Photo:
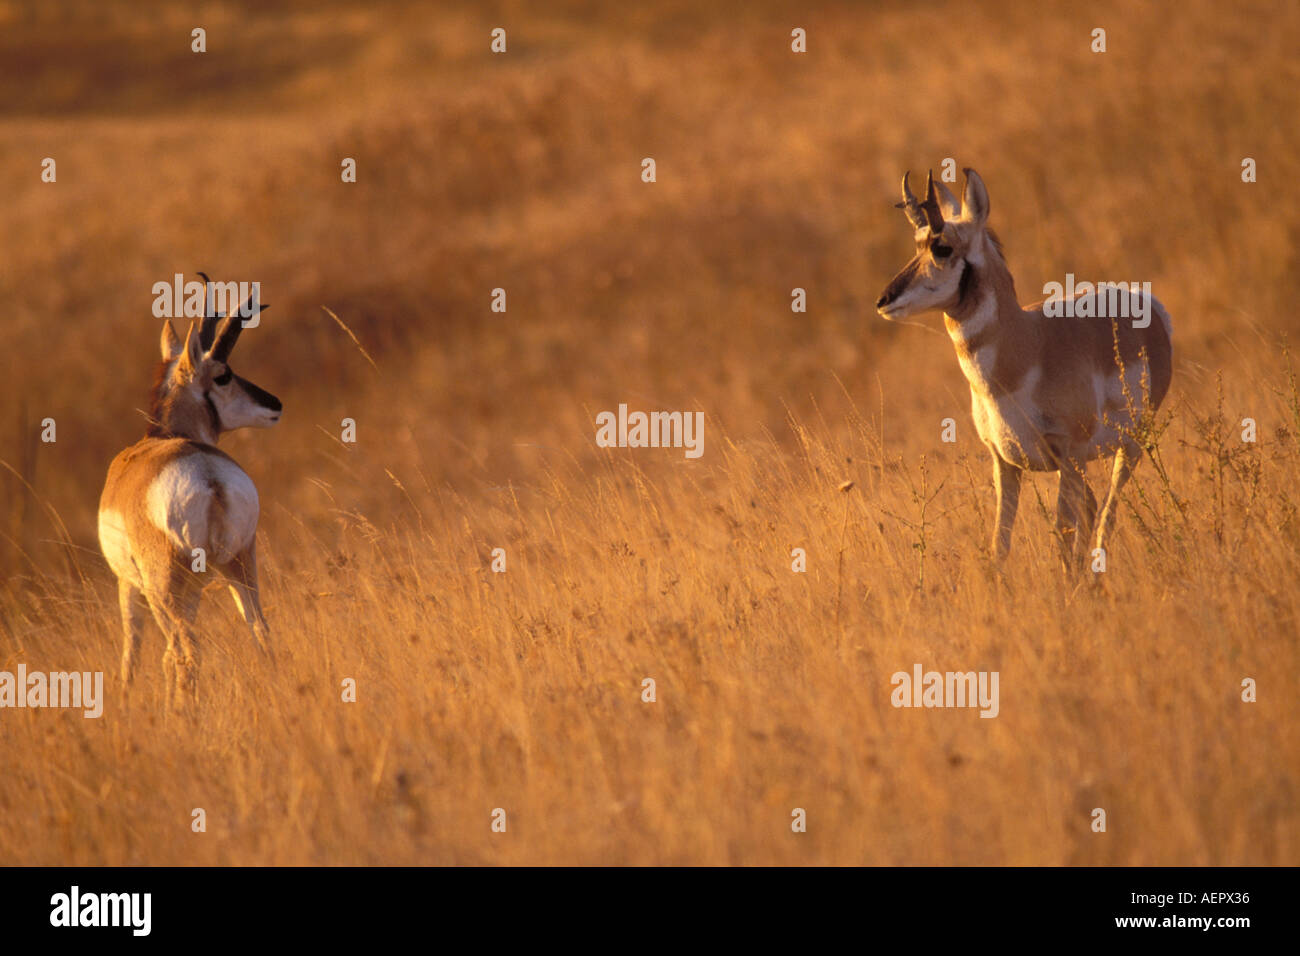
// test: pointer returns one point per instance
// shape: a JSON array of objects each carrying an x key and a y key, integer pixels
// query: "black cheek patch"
[{"x": 964, "y": 283}]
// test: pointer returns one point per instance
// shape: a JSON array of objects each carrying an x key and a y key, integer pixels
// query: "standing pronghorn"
[
  {"x": 1047, "y": 394},
  {"x": 173, "y": 492}
]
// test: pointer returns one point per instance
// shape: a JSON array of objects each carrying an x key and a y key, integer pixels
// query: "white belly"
[
  {"x": 204, "y": 502},
  {"x": 1011, "y": 425}
]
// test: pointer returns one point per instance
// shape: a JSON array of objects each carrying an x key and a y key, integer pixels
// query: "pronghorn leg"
[
  {"x": 1089, "y": 515},
  {"x": 161, "y": 618},
  {"x": 169, "y": 660},
  {"x": 175, "y": 604},
  {"x": 1073, "y": 517},
  {"x": 1125, "y": 462},
  {"x": 187, "y": 664},
  {"x": 242, "y": 574},
  {"x": 1006, "y": 480},
  {"x": 132, "y": 622}
]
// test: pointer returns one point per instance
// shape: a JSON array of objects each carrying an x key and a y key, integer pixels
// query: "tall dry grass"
[{"x": 475, "y": 431}]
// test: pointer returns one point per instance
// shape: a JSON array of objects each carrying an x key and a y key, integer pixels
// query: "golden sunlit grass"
[{"x": 523, "y": 690}]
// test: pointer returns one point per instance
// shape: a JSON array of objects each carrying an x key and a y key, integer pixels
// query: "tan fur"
[
  {"x": 1047, "y": 394},
  {"x": 173, "y": 492}
]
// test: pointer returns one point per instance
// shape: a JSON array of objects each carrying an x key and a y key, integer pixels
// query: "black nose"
[{"x": 883, "y": 300}]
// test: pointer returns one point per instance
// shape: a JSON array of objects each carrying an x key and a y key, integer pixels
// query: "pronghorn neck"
[
  {"x": 986, "y": 316},
  {"x": 176, "y": 411}
]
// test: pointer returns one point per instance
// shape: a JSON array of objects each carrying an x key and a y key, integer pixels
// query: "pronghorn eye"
[
  {"x": 940, "y": 251},
  {"x": 224, "y": 378}
]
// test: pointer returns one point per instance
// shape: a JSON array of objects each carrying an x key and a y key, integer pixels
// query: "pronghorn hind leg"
[
  {"x": 187, "y": 664},
  {"x": 175, "y": 604},
  {"x": 156, "y": 605},
  {"x": 1125, "y": 461},
  {"x": 1089, "y": 515},
  {"x": 1076, "y": 509},
  {"x": 128, "y": 602},
  {"x": 242, "y": 575},
  {"x": 1067, "y": 497},
  {"x": 1006, "y": 481}
]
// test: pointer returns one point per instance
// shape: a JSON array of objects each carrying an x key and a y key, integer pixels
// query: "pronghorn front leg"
[
  {"x": 242, "y": 574},
  {"x": 1125, "y": 462},
  {"x": 1006, "y": 480}
]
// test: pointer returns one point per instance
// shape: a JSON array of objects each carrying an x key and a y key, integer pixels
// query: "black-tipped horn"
[
  {"x": 208, "y": 327},
  {"x": 911, "y": 208},
  {"x": 933, "y": 214},
  {"x": 232, "y": 326}
]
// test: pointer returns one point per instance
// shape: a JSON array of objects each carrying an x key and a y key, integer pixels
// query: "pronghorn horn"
[
  {"x": 911, "y": 208},
  {"x": 231, "y": 328},
  {"x": 208, "y": 328},
  {"x": 933, "y": 215}
]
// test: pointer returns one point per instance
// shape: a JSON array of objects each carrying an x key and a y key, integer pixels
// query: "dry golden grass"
[{"x": 475, "y": 431}]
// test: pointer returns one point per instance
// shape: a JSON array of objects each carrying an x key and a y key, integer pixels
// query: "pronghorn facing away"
[
  {"x": 173, "y": 492},
  {"x": 1047, "y": 394}
]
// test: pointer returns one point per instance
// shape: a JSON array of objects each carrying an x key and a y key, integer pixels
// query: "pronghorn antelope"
[
  {"x": 174, "y": 492},
  {"x": 1047, "y": 394}
]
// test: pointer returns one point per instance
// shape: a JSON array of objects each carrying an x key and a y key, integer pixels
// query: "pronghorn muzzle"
[
  {"x": 897, "y": 286},
  {"x": 259, "y": 395}
]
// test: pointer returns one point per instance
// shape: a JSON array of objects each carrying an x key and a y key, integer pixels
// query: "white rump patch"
[
  {"x": 180, "y": 502},
  {"x": 1099, "y": 392}
]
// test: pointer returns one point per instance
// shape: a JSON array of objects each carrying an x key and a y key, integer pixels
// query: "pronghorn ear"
[
  {"x": 192, "y": 357},
  {"x": 948, "y": 203},
  {"x": 975, "y": 198},
  {"x": 170, "y": 344}
]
